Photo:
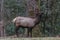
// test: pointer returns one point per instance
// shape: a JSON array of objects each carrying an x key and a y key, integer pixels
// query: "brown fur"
[{"x": 27, "y": 22}]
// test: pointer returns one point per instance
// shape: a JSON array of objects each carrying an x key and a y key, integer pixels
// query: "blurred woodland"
[{"x": 48, "y": 27}]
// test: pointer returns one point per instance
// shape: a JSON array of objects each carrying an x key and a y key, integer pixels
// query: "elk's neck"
[{"x": 38, "y": 18}]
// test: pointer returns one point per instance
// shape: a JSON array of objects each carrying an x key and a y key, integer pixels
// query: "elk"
[{"x": 27, "y": 22}]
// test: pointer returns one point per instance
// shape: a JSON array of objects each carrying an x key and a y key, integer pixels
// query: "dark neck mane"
[{"x": 38, "y": 18}]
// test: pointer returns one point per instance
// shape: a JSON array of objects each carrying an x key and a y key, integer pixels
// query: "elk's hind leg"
[{"x": 16, "y": 30}]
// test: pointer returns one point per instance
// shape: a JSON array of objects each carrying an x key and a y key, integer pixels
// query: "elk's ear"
[{"x": 41, "y": 13}]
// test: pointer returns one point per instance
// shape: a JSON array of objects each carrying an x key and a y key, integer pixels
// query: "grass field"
[{"x": 45, "y": 38}]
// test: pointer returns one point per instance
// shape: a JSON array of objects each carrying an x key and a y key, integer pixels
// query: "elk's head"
[{"x": 38, "y": 13}]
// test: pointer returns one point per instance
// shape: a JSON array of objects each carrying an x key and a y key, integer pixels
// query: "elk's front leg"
[
  {"x": 30, "y": 32},
  {"x": 27, "y": 32}
]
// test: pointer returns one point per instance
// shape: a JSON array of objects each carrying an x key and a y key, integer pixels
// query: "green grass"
[{"x": 45, "y": 38}]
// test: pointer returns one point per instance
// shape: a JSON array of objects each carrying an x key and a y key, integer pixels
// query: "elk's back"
[{"x": 25, "y": 21}]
